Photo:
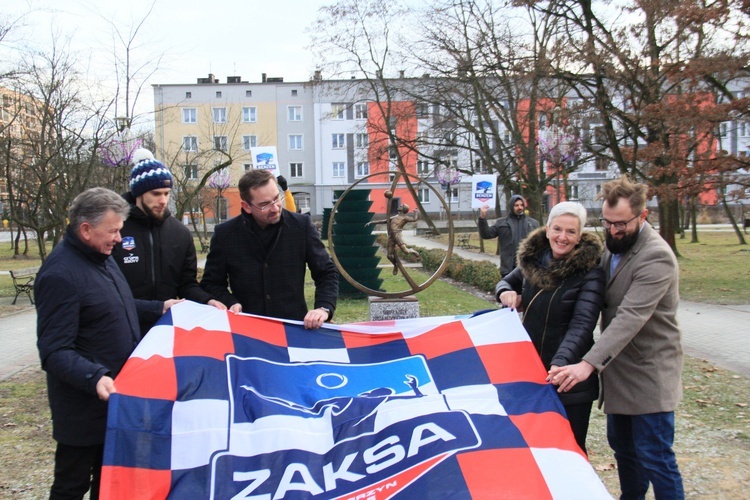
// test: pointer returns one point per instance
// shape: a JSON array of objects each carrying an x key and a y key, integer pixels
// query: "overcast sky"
[{"x": 224, "y": 37}]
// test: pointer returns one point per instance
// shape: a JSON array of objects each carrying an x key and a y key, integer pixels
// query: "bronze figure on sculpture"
[{"x": 396, "y": 225}]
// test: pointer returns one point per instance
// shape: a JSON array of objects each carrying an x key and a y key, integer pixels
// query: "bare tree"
[
  {"x": 496, "y": 87},
  {"x": 132, "y": 70},
  {"x": 214, "y": 147},
  {"x": 649, "y": 68},
  {"x": 357, "y": 37},
  {"x": 52, "y": 157}
]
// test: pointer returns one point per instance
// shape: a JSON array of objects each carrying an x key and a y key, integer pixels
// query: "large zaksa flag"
[{"x": 230, "y": 406}]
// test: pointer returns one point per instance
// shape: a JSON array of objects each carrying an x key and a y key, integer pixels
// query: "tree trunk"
[
  {"x": 694, "y": 221},
  {"x": 667, "y": 216},
  {"x": 732, "y": 220}
]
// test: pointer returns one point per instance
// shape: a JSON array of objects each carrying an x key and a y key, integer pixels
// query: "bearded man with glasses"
[
  {"x": 262, "y": 255},
  {"x": 639, "y": 353}
]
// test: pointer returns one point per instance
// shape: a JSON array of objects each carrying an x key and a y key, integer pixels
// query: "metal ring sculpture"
[{"x": 415, "y": 287}]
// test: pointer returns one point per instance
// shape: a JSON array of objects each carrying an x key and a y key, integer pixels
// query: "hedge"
[{"x": 481, "y": 274}]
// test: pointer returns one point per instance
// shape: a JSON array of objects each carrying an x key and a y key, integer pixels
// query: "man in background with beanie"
[
  {"x": 87, "y": 326},
  {"x": 157, "y": 253},
  {"x": 509, "y": 231}
]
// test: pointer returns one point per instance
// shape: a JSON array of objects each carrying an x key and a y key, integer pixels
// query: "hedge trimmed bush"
[{"x": 481, "y": 274}]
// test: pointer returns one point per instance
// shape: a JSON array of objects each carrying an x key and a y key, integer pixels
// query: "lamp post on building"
[{"x": 558, "y": 145}]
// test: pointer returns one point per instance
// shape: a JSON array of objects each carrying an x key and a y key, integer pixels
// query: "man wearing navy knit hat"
[{"x": 157, "y": 254}]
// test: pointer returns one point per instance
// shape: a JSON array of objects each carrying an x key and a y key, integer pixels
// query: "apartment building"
[
  {"x": 19, "y": 122},
  {"x": 331, "y": 134},
  {"x": 199, "y": 126}
]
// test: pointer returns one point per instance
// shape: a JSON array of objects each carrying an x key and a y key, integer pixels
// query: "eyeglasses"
[
  {"x": 619, "y": 225},
  {"x": 266, "y": 206}
]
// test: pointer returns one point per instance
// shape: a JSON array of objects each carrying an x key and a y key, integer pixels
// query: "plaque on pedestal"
[{"x": 382, "y": 308}]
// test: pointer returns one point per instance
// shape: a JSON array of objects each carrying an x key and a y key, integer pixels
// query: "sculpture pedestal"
[{"x": 390, "y": 309}]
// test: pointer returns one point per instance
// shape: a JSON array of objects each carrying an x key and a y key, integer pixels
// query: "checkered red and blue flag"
[{"x": 218, "y": 405}]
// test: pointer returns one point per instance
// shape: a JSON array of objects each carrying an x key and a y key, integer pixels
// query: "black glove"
[{"x": 282, "y": 182}]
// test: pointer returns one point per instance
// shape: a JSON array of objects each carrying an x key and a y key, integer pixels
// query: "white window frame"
[
  {"x": 189, "y": 115},
  {"x": 296, "y": 142},
  {"x": 423, "y": 167},
  {"x": 296, "y": 170},
  {"x": 249, "y": 114},
  {"x": 361, "y": 111},
  {"x": 338, "y": 111},
  {"x": 221, "y": 142},
  {"x": 192, "y": 142},
  {"x": 294, "y": 113},
  {"x": 339, "y": 169},
  {"x": 423, "y": 195},
  {"x": 362, "y": 170},
  {"x": 338, "y": 141},
  {"x": 219, "y": 115},
  {"x": 363, "y": 140},
  {"x": 249, "y": 141},
  {"x": 190, "y": 172}
]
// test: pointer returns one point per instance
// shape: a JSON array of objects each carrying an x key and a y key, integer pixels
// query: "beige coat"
[{"x": 639, "y": 353}]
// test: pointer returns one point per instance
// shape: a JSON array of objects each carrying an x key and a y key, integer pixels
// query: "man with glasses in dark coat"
[{"x": 262, "y": 256}]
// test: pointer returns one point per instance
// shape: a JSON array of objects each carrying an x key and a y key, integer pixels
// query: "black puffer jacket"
[{"x": 561, "y": 300}]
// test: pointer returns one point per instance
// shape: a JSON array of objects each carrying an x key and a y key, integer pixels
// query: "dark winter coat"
[
  {"x": 561, "y": 303},
  {"x": 158, "y": 258},
  {"x": 270, "y": 283},
  {"x": 87, "y": 326},
  {"x": 509, "y": 231}
]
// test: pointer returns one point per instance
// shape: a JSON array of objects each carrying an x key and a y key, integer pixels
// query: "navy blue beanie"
[{"x": 149, "y": 174}]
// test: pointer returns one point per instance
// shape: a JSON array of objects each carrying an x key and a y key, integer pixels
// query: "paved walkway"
[
  {"x": 716, "y": 333},
  {"x": 17, "y": 342}
]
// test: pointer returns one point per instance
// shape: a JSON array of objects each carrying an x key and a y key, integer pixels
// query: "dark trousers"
[
  {"x": 578, "y": 416},
  {"x": 643, "y": 450},
  {"x": 77, "y": 468}
]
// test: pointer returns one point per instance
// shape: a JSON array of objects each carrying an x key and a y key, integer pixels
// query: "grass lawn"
[
  {"x": 716, "y": 270},
  {"x": 713, "y": 421}
]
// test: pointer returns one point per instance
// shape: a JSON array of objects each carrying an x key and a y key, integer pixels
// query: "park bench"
[
  {"x": 463, "y": 240},
  {"x": 23, "y": 281}
]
